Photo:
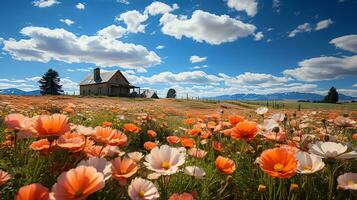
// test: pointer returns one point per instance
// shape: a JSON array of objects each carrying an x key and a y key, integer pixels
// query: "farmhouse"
[{"x": 112, "y": 83}]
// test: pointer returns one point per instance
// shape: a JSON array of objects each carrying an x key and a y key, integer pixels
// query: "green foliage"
[
  {"x": 332, "y": 96},
  {"x": 171, "y": 93},
  {"x": 50, "y": 83}
]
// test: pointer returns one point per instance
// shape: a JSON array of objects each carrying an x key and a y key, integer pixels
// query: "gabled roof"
[{"x": 105, "y": 77}]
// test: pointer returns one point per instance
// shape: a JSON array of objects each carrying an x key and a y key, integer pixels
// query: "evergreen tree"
[
  {"x": 50, "y": 83},
  {"x": 332, "y": 96},
  {"x": 171, "y": 93}
]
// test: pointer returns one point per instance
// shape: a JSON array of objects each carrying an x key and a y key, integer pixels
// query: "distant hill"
[
  {"x": 281, "y": 96},
  {"x": 15, "y": 91}
]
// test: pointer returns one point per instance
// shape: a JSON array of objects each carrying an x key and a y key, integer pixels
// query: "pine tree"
[
  {"x": 171, "y": 93},
  {"x": 332, "y": 96},
  {"x": 50, "y": 83}
]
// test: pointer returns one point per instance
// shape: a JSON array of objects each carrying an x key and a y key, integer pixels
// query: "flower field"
[{"x": 71, "y": 151}]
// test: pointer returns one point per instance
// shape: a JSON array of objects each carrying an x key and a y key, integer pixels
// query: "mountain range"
[
  {"x": 15, "y": 91},
  {"x": 281, "y": 96}
]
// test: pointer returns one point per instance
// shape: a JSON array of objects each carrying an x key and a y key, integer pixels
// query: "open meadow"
[{"x": 120, "y": 148}]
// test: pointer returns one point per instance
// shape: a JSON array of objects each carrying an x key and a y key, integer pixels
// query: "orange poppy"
[
  {"x": 71, "y": 141},
  {"x": 149, "y": 145},
  {"x": 187, "y": 142},
  {"x": 173, "y": 139},
  {"x": 189, "y": 121},
  {"x": 4, "y": 177},
  {"x": 227, "y": 132},
  {"x": 131, "y": 128},
  {"x": 217, "y": 146},
  {"x": 183, "y": 196},
  {"x": 354, "y": 136},
  {"x": 151, "y": 133},
  {"x": 110, "y": 136},
  {"x": 211, "y": 125},
  {"x": 68, "y": 110},
  {"x": 34, "y": 191},
  {"x": 96, "y": 151},
  {"x": 123, "y": 168},
  {"x": 43, "y": 146},
  {"x": 244, "y": 130},
  {"x": 225, "y": 165},
  {"x": 51, "y": 125},
  {"x": 107, "y": 124},
  {"x": 235, "y": 119},
  {"x": 206, "y": 134},
  {"x": 278, "y": 162},
  {"x": 78, "y": 183},
  {"x": 194, "y": 132}
]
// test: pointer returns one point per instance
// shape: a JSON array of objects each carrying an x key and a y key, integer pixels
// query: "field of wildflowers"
[{"x": 73, "y": 152}]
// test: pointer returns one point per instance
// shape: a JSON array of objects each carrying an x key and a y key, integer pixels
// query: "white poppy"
[
  {"x": 308, "y": 163},
  {"x": 332, "y": 150},
  {"x": 141, "y": 189},
  {"x": 165, "y": 160},
  {"x": 261, "y": 110},
  {"x": 347, "y": 181},
  {"x": 136, "y": 156},
  {"x": 279, "y": 117},
  {"x": 194, "y": 171}
]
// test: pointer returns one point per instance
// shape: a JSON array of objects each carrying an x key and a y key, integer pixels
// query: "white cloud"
[
  {"x": 68, "y": 85},
  {"x": 350, "y": 92},
  {"x": 255, "y": 79},
  {"x": 200, "y": 67},
  {"x": 133, "y": 20},
  {"x": 46, "y": 44},
  {"x": 276, "y": 5},
  {"x": 22, "y": 86},
  {"x": 249, "y": 6},
  {"x": 112, "y": 32},
  {"x": 157, "y": 7},
  {"x": 207, "y": 27},
  {"x": 45, "y": 3},
  {"x": 67, "y": 21},
  {"x": 324, "y": 68},
  {"x": 196, "y": 59},
  {"x": 160, "y": 47},
  {"x": 124, "y": 1},
  {"x": 34, "y": 79},
  {"x": 191, "y": 77},
  {"x": 323, "y": 24},
  {"x": 258, "y": 36},
  {"x": 79, "y": 70},
  {"x": 347, "y": 42},
  {"x": 300, "y": 29},
  {"x": 12, "y": 80},
  {"x": 80, "y": 6},
  {"x": 306, "y": 27},
  {"x": 354, "y": 85},
  {"x": 141, "y": 70}
]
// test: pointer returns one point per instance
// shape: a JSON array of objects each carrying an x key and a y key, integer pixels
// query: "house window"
[
  {"x": 99, "y": 90},
  {"x": 89, "y": 91}
]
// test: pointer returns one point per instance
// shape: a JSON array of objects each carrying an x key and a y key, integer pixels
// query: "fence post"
[{"x": 299, "y": 107}]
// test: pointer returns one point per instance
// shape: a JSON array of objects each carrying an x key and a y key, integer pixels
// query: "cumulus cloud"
[
  {"x": 112, "y": 32},
  {"x": 255, "y": 79},
  {"x": 347, "y": 42},
  {"x": 124, "y": 1},
  {"x": 34, "y": 78},
  {"x": 323, "y": 24},
  {"x": 306, "y": 27},
  {"x": 204, "y": 26},
  {"x": 67, "y": 21},
  {"x": 44, "y": 45},
  {"x": 160, "y": 47},
  {"x": 68, "y": 85},
  {"x": 45, "y": 3},
  {"x": 354, "y": 85},
  {"x": 200, "y": 67},
  {"x": 300, "y": 29},
  {"x": 249, "y": 6},
  {"x": 276, "y": 5},
  {"x": 133, "y": 20},
  {"x": 157, "y": 7},
  {"x": 196, "y": 59},
  {"x": 324, "y": 68},
  {"x": 258, "y": 36},
  {"x": 80, "y": 6}
]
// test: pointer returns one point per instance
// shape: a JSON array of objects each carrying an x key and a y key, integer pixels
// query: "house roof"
[{"x": 105, "y": 77}]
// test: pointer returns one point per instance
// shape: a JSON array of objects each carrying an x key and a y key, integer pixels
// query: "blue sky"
[{"x": 200, "y": 47}]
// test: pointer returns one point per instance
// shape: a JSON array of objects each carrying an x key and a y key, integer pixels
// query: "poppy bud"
[
  {"x": 261, "y": 188},
  {"x": 294, "y": 187},
  {"x": 229, "y": 179}
]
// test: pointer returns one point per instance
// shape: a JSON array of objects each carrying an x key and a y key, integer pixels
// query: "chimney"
[{"x": 97, "y": 74}]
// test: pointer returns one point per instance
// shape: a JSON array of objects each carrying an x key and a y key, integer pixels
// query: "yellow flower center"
[
  {"x": 141, "y": 194},
  {"x": 78, "y": 193},
  {"x": 165, "y": 165},
  {"x": 278, "y": 167},
  {"x": 350, "y": 182},
  {"x": 307, "y": 167}
]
